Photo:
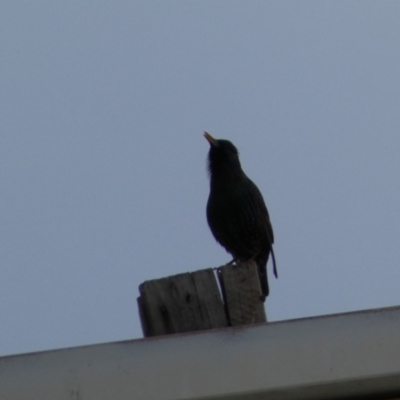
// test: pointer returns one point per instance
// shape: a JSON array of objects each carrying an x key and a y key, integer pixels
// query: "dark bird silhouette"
[{"x": 236, "y": 212}]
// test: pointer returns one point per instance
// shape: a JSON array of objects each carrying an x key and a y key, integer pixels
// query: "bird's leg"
[
  {"x": 233, "y": 261},
  {"x": 252, "y": 258}
]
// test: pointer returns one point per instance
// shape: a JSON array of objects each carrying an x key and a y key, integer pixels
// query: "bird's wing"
[{"x": 256, "y": 201}]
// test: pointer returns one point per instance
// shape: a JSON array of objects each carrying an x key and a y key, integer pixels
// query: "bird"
[{"x": 236, "y": 212}]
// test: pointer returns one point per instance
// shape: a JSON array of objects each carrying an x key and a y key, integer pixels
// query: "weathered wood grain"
[
  {"x": 241, "y": 290},
  {"x": 181, "y": 303}
]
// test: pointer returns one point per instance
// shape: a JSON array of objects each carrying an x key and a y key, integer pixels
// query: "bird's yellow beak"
[{"x": 210, "y": 139}]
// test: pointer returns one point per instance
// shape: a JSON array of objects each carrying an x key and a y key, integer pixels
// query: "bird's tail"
[
  {"x": 262, "y": 272},
  {"x": 274, "y": 262}
]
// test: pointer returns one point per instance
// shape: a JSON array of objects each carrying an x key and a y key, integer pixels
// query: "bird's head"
[{"x": 223, "y": 155}]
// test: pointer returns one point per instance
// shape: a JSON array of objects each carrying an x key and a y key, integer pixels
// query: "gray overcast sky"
[{"x": 102, "y": 159}]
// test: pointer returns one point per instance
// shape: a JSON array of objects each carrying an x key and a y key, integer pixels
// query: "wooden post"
[
  {"x": 241, "y": 292},
  {"x": 192, "y": 301},
  {"x": 181, "y": 303}
]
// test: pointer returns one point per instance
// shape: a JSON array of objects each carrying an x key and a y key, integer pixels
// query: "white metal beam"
[{"x": 336, "y": 356}]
